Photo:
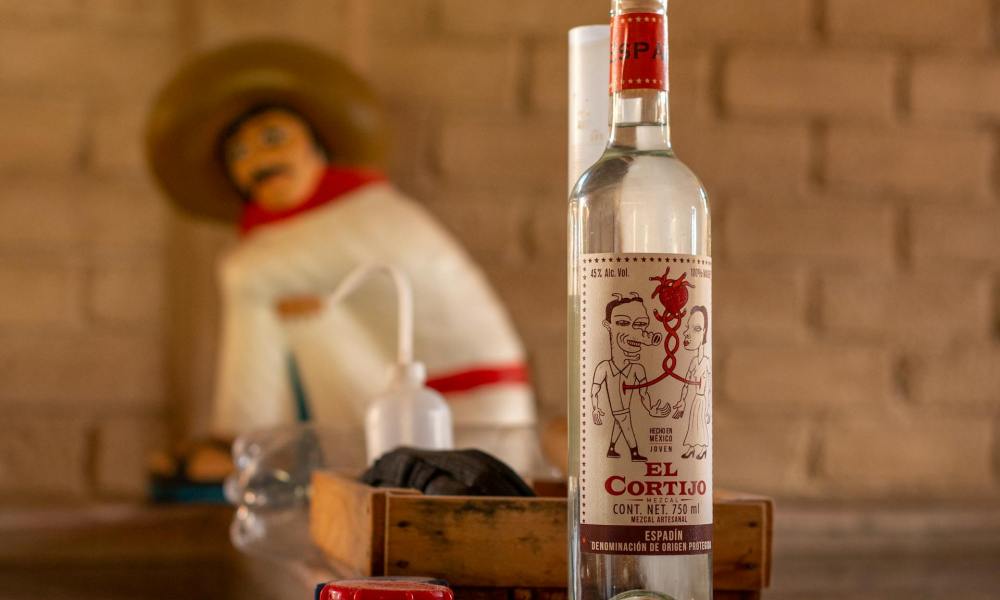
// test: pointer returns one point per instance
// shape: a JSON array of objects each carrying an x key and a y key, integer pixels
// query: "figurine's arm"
[
  {"x": 270, "y": 276},
  {"x": 303, "y": 259},
  {"x": 251, "y": 388},
  {"x": 257, "y": 280}
]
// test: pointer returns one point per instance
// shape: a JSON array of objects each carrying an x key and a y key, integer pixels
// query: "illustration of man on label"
[
  {"x": 627, "y": 321},
  {"x": 698, "y": 403}
]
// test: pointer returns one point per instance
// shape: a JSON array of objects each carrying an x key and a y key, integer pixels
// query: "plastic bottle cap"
[
  {"x": 414, "y": 373},
  {"x": 374, "y": 589}
]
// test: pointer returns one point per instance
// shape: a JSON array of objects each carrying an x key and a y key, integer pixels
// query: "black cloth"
[{"x": 446, "y": 473}]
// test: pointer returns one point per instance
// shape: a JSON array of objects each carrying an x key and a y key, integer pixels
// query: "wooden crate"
[{"x": 493, "y": 546}]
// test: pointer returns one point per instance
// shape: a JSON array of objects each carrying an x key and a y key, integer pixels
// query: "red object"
[
  {"x": 673, "y": 296},
  {"x": 470, "y": 379},
  {"x": 383, "y": 589},
  {"x": 638, "y": 52},
  {"x": 333, "y": 185},
  {"x": 673, "y": 293}
]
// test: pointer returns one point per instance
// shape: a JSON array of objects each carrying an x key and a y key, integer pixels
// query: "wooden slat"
[
  {"x": 525, "y": 541},
  {"x": 735, "y": 595},
  {"x": 478, "y": 542},
  {"x": 342, "y": 518},
  {"x": 741, "y": 544},
  {"x": 503, "y": 542},
  {"x": 347, "y": 522}
]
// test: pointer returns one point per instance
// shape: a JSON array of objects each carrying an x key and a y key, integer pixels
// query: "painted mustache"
[{"x": 261, "y": 175}]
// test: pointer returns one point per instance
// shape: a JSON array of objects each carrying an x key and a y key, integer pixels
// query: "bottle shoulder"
[{"x": 623, "y": 176}]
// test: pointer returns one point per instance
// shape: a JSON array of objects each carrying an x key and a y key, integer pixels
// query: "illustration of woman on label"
[
  {"x": 627, "y": 321},
  {"x": 698, "y": 404}
]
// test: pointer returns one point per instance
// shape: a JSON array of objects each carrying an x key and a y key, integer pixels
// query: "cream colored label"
[{"x": 646, "y": 405}]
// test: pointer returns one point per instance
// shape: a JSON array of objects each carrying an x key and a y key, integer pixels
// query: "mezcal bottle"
[{"x": 640, "y": 312}]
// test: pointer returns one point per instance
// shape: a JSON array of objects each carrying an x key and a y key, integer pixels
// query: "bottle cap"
[
  {"x": 382, "y": 589},
  {"x": 413, "y": 374}
]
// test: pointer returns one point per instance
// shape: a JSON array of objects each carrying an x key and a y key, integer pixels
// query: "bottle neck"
[
  {"x": 640, "y": 120},
  {"x": 640, "y": 107}
]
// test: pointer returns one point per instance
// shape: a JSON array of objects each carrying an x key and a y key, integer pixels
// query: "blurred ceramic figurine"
[{"x": 282, "y": 139}]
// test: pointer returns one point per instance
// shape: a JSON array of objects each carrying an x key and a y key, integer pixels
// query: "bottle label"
[
  {"x": 639, "y": 52},
  {"x": 646, "y": 404}
]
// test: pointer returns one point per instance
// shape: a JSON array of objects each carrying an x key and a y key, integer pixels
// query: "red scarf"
[
  {"x": 478, "y": 376},
  {"x": 334, "y": 184}
]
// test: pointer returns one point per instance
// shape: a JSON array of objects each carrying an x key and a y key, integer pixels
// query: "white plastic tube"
[
  {"x": 589, "y": 99},
  {"x": 404, "y": 304},
  {"x": 408, "y": 413}
]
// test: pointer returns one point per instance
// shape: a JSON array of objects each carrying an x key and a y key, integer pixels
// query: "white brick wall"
[{"x": 849, "y": 147}]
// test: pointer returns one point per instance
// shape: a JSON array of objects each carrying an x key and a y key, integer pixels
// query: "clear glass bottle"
[{"x": 640, "y": 205}]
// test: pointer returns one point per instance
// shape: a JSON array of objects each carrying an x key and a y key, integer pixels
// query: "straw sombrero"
[{"x": 214, "y": 89}]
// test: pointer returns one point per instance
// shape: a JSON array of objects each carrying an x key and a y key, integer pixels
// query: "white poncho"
[{"x": 344, "y": 354}]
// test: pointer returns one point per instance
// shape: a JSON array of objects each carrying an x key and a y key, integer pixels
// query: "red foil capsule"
[
  {"x": 381, "y": 589},
  {"x": 639, "y": 52}
]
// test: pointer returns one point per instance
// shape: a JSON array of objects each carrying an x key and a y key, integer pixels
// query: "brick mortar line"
[
  {"x": 902, "y": 379},
  {"x": 181, "y": 414},
  {"x": 88, "y": 293},
  {"x": 814, "y": 453},
  {"x": 903, "y": 84},
  {"x": 813, "y": 301},
  {"x": 189, "y": 26},
  {"x": 83, "y": 156},
  {"x": 994, "y": 184},
  {"x": 81, "y": 331},
  {"x": 91, "y": 468},
  {"x": 435, "y": 19},
  {"x": 433, "y": 163},
  {"x": 360, "y": 35},
  {"x": 70, "y": 410},
  {"x": 528, "y": 243},
  {"x": 996, "y": 451},
  {"x": 71, "y": 255},
  {"x": 820, "y": 20},
  {"x": 51, "y": 255},
  {"x": 995, "y": 305},
  {"x": 903, "y": 215},
  {"x": 818, "y": 134},
  {"x": 719, "y": 218},
  {"x": 140, "y": 327},
  {"x": 994, "y": 15},
  {"x": 718, "y": 61},
  {"x": 525, "y": 66}
]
